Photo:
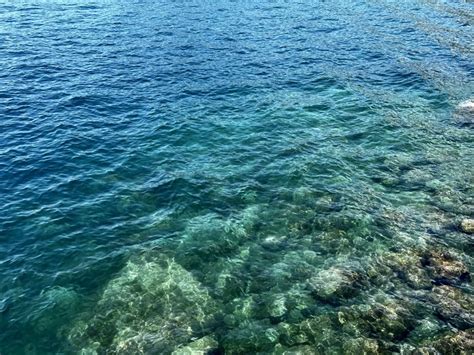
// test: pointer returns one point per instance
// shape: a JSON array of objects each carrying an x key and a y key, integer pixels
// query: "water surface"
[{"x": 238, "y": 177}]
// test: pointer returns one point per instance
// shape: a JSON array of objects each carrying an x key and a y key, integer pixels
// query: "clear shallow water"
[{"x": 235, "y": 177}]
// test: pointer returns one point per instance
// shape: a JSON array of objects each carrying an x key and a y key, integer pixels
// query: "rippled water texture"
[{"x": 239, "y": 177}]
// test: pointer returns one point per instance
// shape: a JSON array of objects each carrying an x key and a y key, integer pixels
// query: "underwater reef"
[
  {"x": 262, "y": 296},
  {"x": 326, "y": 285},
  {"x": 315, "y": 273}
]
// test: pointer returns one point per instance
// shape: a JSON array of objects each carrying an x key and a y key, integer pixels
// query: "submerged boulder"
[
  {"x": 336, "y": 284},
  {"x": 467, "y": 225},
  {"x": 384, "y": 318},
  {"x": 453, "y": 343},
  {"x": 58, "y": 304},
  {"x": 296, "y": 350},
  {"x": 201, "y": 346},
  {"x": 362, "y": 346},
  {"x": 464, "y": 113},
  {"x": 151, "y": 307},
  {"x": 445, "y": 268},
  {"x": 453, "y": 306},
  {"x": 274, "y": 243},
  {"x": 467, "y": 105},
  {"x": 408, "y": 267},
  {"x": 292, "y": 334},
  {"x": 317, "y": 330},
  {"x": 249, "y": 338}
]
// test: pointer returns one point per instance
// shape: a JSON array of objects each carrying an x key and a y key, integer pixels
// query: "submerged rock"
[
  {"x": 453, "y": 306},
  {"x": 361, "y": 346},
  {"x": 274, "y": 243},
  {"x": 250, "y": 338},
  {"x": 454, "y": 343},
  {"x": 385, "y": 319},
  {"x": 464, "y": 113},
  {"x": 407, "y": 266},
  {"x": 444, "y": 268},
  {"x": 57, "y": 305},
  {"x": 425, "y": 329},
  {"x": 277, "y": 306},
  {"x": 151, "y": 307},
  {"x": 291, "y": 334},
  {"x": 466, "y": 107},
  {"x": 201, "y": 346},
  {"x": 467, "y": 225},
  {"x": 317, "y": 330},
  {"x": 336, "y": 284},
  {"x": 296, "y": 350}
]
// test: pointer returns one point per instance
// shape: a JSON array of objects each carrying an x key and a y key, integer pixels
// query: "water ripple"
[{"x": 247, "y": 177}]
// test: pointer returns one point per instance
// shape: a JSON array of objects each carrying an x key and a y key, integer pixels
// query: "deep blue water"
[{"x": 241, "y": 177}]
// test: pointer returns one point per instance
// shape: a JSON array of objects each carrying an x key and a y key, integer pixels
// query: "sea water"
[{"x": 235, "y": 177}]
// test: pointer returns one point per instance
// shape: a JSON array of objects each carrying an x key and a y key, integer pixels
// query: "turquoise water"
[{"x": 235, "y": 177}]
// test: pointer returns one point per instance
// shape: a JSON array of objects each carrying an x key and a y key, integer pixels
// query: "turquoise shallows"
[{"x": 235, "y": 177}]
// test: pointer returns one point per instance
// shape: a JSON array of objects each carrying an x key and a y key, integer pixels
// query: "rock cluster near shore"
[
  {"x": 156, "y": 305},
  {"x": 360, "y": 280}
]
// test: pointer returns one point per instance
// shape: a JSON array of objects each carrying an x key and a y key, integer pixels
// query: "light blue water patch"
[{"x": 234, "y": 177}]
